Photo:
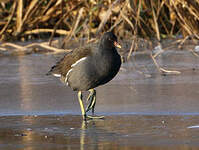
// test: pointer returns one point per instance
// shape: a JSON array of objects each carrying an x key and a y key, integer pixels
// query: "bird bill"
[{"x": 117, "y": 44}]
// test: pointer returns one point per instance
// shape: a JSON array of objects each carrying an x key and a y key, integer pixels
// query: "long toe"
[
  {"x": 92, "y": 99},
  {"x": 95, "y": 117},
  {"x": 91, "y": 104}
]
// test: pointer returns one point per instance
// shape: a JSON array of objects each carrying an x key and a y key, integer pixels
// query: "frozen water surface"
[{"x": 143, "y": 109}]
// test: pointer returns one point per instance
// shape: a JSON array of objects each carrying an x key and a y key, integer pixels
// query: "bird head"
[{"x": 109, "y": 40}]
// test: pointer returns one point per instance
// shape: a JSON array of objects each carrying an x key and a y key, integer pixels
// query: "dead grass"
[{"x": 159, "y": 19}]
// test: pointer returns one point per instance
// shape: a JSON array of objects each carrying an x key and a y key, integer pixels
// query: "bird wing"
[{"x": 65, "y": 64}]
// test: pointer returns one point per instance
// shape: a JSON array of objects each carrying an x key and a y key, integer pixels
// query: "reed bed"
[
  {"x": 22, "y": 20},
  {"x": 137, "y": 21}
]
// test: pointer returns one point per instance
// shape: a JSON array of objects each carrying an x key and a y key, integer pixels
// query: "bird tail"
[
  {"x": 48, "y": 73},
  {"x": 53, "y": 70}
]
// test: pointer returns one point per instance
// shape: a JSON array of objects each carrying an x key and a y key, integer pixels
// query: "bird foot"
[
  {"x": 92, "y": 99},
  {"x": 94, "y": 117}
]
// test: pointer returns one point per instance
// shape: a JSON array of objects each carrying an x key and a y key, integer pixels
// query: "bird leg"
[
  {"x": 92, "y": 99},
  {"x": 81, "y": 105},
  {"x": 91, "y": 105}
]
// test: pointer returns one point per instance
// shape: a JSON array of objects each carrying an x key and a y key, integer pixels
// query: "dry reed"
[
  {"x": 33, "y": 19},
  {"x": 80, "y": 18}
]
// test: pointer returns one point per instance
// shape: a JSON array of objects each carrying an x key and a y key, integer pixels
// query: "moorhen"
[{"x": 86, "y": 68}]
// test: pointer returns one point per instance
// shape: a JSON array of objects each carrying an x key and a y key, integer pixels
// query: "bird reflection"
[
  {"x": 89, "y": 133},
  {"x": 82, "y": 134}
]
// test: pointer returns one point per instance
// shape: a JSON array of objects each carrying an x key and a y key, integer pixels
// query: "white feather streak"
[
  {"x": 72, "y": 66},
  {"x": 57, "y": 75}
]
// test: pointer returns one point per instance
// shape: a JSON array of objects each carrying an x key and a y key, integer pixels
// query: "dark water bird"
[{"x": 86, "y": 68}]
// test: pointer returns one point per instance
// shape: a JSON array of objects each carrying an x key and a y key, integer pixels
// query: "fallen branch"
[
  {"x": 36, "y": 31},
  {"x": 162, "y": 70},
  {"x": 32, "y": 45}
]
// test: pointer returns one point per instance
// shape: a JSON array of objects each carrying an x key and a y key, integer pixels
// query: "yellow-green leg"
[
  {"x": 92, "y": 99},
  {"x": 81, "y": 105},
  {"x": 92, "y": 105}
]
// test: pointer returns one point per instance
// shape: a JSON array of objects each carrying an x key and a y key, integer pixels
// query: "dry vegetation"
[{"x": 75, "y": 19}]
